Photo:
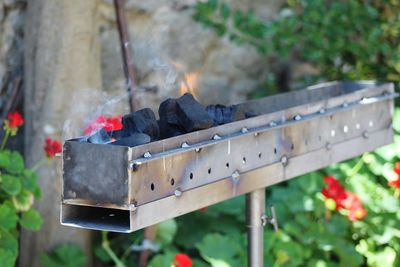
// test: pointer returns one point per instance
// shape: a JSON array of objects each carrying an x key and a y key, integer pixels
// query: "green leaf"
[
  {"x": 8, "y": 242},
  {"x": 10, "y": 184},
  {"x": 8, "y": 216},
  {"x": 8, "y": 249},
  {"x": 5, "y": 156},
  {"x": 7, "y": 258},
  {"x": 31, "y": 220},
  {"x": 23, "y": 201},
  {"x": 29, "y": 181},
  {"x": 162, "y": 260},
  {"x": 15, "y": 164},
  {"x": 66, "y": 255},
  {"x": 214, "y": 249},
  {"x": 166, "y": 232}
]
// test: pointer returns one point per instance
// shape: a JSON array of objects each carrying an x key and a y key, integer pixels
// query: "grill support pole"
[
  {"x": 255, "y": 209},
  {"x": 127, "y": 58}
]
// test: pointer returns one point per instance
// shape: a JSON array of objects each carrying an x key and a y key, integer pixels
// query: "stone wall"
[
  {"x": 11, "y": 44},
  {"x": 167, "y": 43}
]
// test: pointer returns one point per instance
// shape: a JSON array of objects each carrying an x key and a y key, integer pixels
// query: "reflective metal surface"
[{"x": 299, "y": 132}]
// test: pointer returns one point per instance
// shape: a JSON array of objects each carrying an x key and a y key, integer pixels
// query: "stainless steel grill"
[{"x": 124, "y": 189}]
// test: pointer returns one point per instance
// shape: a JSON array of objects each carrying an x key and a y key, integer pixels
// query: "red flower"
[
  {"x": 14, "y": 120},
  {"x": 353, "y": 204},
  {"x": 344, "y": 199},
  {"x": 334, "y": 191},
  {"x": 108, "y": 124},
  {"x": 396, "y": 183},
  {"x": 181, "y": 260},
  {"x": 51, "y": 147}
]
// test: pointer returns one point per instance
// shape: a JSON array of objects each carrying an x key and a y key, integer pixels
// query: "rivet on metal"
[
  {"x": 328, "y": 146},
  {"x": 321, "y": 111},
  {"x": 284, "y": 160},
  {"x": 147, "y": 154},
  {"x": 244, "y": 130},
  {"x": 198, "y": 149},
  {"x": 297, "y": 117},
  {"x": 235, "y": 175},
  {"x": 216, "y": 137},
  {"x": 365, "y": 134},
  {"x": 256, "y": 134},
  {"x": 178, "y": 192},
  {"x": 271, "y": 220},
  {"x": 264, "y": 220},
  {"x": 185, "y": 145},
  {"x": 132, "y": 208},
  {"x": 133, "y": 166},
  {"x": 272, "y": 124}
]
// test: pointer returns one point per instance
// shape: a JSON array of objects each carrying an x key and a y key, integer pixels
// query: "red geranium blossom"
[
  {"x": 334, "y": 190},
  {"x": 51, "y": 147},
  {"x": 101, "y": 121},
  {"x": 396, "y": 183},
  {"x": 181, "y": 260},
  {"x": 344, "y": 199},
  {"x": 14, "y": 120},
  {"x": 353, "y": 204}
]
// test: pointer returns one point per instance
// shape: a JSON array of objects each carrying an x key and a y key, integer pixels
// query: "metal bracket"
[{"x": 270, "y": 219}]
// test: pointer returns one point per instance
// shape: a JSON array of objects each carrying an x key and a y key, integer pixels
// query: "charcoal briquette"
[
  {"x": 168, "y": 111},
  {"x": 169, "y": 130},
  {"x": 141, "y": 121},
  {"x": 192, "y": 115}
]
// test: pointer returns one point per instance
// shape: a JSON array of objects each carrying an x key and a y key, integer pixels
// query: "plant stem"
[
  {"x": 397, "y": 193},
  {"x": 328, "y": 215},
  {"x": 3, "y": 143},
  {"x": 38, "y": 164},
  {"x": 106, "y": 246},
  {"x": 358, "y": 166}
]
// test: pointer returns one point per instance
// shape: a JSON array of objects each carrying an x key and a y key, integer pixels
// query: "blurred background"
[{"x": 61, "y": 67}]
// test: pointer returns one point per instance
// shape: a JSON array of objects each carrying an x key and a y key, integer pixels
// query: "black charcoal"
[
  {"x": 169, "y": 130},
  {"x": 133, "y": 140},
  {"x": 99, "y": 137},
  {"x": 168, "y": 111},
  {"x": 118, "y": 134},
  {"x": 141, "y": 121},
  {"x": 192, "y": 115},
  {"x": 220, "y": 114}
]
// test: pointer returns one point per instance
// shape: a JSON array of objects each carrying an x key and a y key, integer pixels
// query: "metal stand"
[{"x": 255, "y": 210}]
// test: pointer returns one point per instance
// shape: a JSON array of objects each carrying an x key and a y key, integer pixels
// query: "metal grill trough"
[{"x": 124, "y": 189}]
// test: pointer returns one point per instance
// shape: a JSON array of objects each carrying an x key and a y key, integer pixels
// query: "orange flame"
[{"x": 189, "y": 84}]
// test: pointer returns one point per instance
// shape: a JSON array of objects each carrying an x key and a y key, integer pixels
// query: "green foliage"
[
  {"x": 18, "y": 186},
  {"x": 351, "y": 39},
  {"x": 65, "y": 255}
]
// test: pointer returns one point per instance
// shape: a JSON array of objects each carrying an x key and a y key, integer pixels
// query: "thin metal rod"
[
  {"x": 255, "y": 209},
  {"x": 12, "y": 99},
  {"x": 127, "y": 57}
]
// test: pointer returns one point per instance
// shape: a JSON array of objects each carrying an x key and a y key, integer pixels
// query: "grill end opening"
[{"x": 96, "y": 218}]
